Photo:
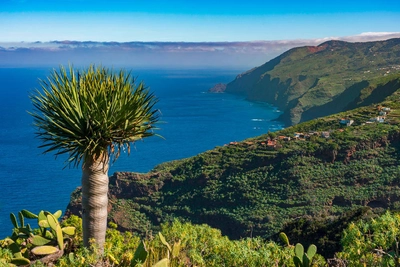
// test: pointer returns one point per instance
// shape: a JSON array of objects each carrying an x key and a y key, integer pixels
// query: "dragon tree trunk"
[{"x": 95, "y": 200}]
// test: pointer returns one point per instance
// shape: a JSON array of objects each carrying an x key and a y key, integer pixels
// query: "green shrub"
[{"x": 372, "y": 243}]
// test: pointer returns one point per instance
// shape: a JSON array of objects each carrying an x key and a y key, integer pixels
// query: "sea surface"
[{"x": 193, "y": 121}]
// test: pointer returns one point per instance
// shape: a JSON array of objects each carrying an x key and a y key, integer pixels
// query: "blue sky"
[{"x": 192, "y": 21}]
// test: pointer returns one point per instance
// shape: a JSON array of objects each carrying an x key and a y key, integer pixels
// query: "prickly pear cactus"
[
  {"x": 162, "y": 263},
  {"x": 24, "y": 241},
  {"x": 284, "y": 238},
  {"x": 302, "y": 259},
  {"x": 44, "y": 250},
  {"x": 19, "y": 252},
  {"x": 140, "y": 254}
]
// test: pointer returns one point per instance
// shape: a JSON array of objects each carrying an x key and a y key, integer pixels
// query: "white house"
[{"x": 347, "y": 122}]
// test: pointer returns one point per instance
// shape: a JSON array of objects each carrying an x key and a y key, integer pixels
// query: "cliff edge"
[{"x": 315, "y": 81}]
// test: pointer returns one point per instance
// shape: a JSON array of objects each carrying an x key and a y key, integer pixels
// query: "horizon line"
[{"x": 362, "y": 37}]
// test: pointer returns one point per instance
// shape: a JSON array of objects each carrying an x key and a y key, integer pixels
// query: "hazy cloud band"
[{"x": 162, "y": 54}]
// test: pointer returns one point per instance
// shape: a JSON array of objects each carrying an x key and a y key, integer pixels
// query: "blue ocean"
[{"x": 192, "y": 121}]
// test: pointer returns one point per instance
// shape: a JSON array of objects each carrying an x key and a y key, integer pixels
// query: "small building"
[
  {"x": 325, "y": 134},
  {"x": 377, "y": 119},
  {"x": 382, "y": 113},
  {"x": 346, "y": 122},
  {"x": 271, "y": 143},
  {"x": 385, "y": 109}
]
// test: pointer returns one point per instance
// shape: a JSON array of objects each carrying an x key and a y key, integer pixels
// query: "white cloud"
[
  {"x": 248, "y": 54},
  {"x": 371, "y": 36}
]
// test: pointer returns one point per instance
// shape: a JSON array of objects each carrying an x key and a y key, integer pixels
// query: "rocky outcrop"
[{"x": 218, "y": 88}]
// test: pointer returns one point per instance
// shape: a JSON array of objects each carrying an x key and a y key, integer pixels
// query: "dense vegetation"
[
  {"x": 372, "y": 242},
  {"x": 311, "y": 187},
  {"x": 309, "y": 82}
]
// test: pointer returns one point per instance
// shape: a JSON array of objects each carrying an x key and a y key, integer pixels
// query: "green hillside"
[
  {"x": 310, "y": 82},
  {"x": 310, "y": 187}
]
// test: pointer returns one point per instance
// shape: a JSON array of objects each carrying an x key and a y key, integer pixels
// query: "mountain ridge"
[{"x": 311, "y": 76}]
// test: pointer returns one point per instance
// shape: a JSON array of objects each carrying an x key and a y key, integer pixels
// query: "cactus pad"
[
  {"x": 162, "y": 263},
  {"x": 29, "y": 215},
  {"x": 176, "y": 249},
  {"x": 140, "y": 254},
  {"x": 44, "y": 250},
  {"x": 284, "y": 238},
  {"x": 37, "y": 240},
  {"x": 69, "y": 230},
  {"x": 311, "y": 251},
  {"x": 162, "y": 238},
  {"x": 299, "y": 250},
  {"x": 20, "y": 261},
  {"x": 57, "y": 214},
  {"x": 14, "y": 220}
]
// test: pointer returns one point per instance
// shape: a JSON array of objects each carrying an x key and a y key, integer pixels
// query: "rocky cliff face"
[{"x": 310, "y": 82}]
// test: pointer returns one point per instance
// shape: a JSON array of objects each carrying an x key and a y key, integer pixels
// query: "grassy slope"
[
  {"x": 247, "y": 189},
  {"x": 310, "y": 82}
]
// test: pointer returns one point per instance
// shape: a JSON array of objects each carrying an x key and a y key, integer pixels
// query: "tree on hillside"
[{"x": 92, "y": 115}]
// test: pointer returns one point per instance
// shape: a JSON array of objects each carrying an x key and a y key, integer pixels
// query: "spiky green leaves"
[{"x": 87, "y": 113}]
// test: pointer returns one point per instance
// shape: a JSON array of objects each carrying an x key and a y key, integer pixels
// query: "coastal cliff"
[
  {"x": 315, "y": 81},
  {"x": 316, "y": 176}
]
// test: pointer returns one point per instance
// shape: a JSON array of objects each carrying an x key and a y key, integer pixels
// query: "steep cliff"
[{"x": 310, "y": 82}]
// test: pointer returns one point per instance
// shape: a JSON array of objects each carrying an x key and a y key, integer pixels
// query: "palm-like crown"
[{"x": 90, "y": 112}]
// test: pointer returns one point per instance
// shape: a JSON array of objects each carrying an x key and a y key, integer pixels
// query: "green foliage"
[
  {"x": 25, "y": 241},
  {"x": 249, "y": 190},
  {"x": 84, "y": 113},
  {"x": 310, "y": 189},
  {"x": 284, "y": 239},
  {"x": 44, "y": 250},
  {"x": 193, "y": 245},
  {"x": 373, "y": 242},
  {"x": 20, "y": 261},
  {"x": 201, "y": 245},
  {"x": 5, "y": 255},
  {"x": 162, "y": 263},
  {"x": 338, "y": 76},
  {"x": 140, "y": 255},
  {"x": 302, "y": 259}
]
